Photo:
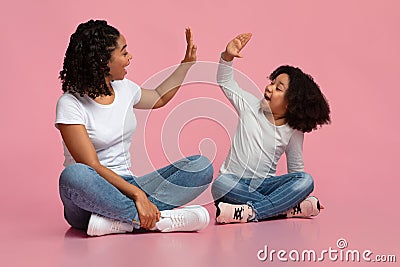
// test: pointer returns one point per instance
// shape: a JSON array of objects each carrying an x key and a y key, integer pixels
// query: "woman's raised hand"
[
  {"x": 234, "y": 47},
  {"x": 191, "y": 48}
]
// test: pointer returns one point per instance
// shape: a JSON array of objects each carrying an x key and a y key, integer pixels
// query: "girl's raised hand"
[
  {"x": 234, "y": 47},
  {"x": 191, "y": 48}
]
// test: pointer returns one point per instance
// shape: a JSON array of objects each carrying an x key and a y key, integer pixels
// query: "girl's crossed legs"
[{"x": 268, "y": 197}]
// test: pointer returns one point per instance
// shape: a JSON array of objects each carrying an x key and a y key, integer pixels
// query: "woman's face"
[
  {"x": 120, "y": 59},
  {"x": 274, "y": 96}
]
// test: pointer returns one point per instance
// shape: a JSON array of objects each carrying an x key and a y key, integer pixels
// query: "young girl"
[
  {"x": 247, "y": 188},
  {"x": 96, "y": 120}
]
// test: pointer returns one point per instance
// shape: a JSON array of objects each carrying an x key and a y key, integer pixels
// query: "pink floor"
[{"x": 42, "y": 238}]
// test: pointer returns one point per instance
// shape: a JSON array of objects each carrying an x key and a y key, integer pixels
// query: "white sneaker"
[
  {"x": 186, "y": 219},
  {"x": 99, "y": 225}
]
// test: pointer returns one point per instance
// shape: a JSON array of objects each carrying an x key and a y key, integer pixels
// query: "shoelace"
[
  {"x": 238, "y": 215},
  {"x": 177, "y": 221},
  {"x": 115, "y": 225},
  {"x": 296, "y": 209}
]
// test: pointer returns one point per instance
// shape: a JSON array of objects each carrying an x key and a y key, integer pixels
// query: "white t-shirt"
[
  {"x": 110, "y": 127},
  {"x": 258, "y": 144}
]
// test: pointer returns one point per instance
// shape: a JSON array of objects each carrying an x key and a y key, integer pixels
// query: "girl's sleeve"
[
  {"x": 239, "y": 98},
  {"x": 294, "y": 152}
]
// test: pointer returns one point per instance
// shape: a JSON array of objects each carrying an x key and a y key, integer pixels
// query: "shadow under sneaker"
[
  {"x": 100, "y": 225},
  {"x": 186, "y": 219},
  {"x": 307, "y": 208}
]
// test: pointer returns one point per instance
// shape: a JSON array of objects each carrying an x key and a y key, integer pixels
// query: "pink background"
[{"x": 350, "y": 47}]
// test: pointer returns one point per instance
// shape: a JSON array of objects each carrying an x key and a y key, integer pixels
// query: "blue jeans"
[
  {"x": 83, "y": 191},
  {"x": 269, "y": 197}
]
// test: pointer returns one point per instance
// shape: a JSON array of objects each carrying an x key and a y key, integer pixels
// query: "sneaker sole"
[
  {"x": 94, "y": 227},
  {"x": 204, "y": 211}
]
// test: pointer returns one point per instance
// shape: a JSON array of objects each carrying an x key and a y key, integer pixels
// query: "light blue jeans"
[
  {"x": 83, "y": 191},
  {"x": 268, "y": 197}
]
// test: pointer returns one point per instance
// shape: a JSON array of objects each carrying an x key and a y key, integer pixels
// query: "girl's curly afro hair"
[
  {"x": 307, "y": 107},
  {"x": 85, "y": 63}
]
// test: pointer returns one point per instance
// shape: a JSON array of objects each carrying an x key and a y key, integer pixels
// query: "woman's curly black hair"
[
  {"x": 307, "y": 106},
  {"x": 86, "y": 59}
]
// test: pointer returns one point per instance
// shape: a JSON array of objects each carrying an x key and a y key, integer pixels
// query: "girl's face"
[
  {"x": 274, "y": 96},
  {"x": 120, "y": 59}
]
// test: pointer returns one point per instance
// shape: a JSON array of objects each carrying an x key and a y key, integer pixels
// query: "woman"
[{"x": 96, "y": 121}]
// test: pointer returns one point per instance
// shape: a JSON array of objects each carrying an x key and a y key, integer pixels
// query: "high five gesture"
[
  {"x": 234, "y": 47},
  {"x": 191, "y": 48}
]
